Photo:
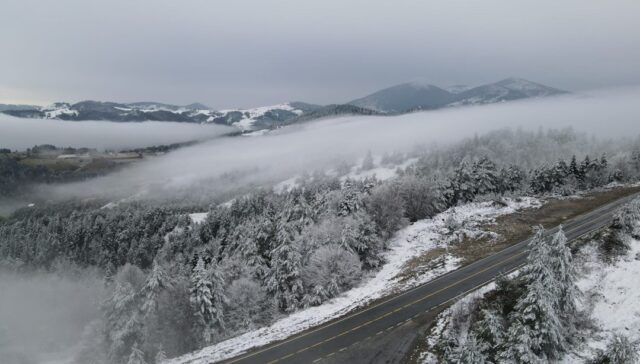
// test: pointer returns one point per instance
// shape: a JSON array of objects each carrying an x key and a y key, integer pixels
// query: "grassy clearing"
[
  {"x": 514, "y": 228},
  {"x": 53, "y": 164}
]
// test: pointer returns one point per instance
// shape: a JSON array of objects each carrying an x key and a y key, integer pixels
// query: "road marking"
[{"x": 586, "y": 216}]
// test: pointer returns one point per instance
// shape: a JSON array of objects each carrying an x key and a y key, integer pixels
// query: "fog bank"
[
  {"x": 19, "y": 134},
  {"x": 317, "y": 145},
  {"x": 42, "y": 316}
]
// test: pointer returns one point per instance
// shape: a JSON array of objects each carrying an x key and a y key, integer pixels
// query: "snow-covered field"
[{"x": 412, "y": 241}]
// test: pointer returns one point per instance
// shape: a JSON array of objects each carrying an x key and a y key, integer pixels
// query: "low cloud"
[
  {"x": 19, "y": 134},
  {"x": 317, "y": 145}
]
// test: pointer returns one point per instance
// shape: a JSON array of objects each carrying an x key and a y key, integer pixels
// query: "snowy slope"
[
  {"x": 505, "y": 90},
  {"x": 612, "y": 297},
  {"x": 249, "y": 117}
]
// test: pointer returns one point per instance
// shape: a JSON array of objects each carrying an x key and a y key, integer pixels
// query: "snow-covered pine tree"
[
  {"x": 603, "y": 161},
  {"x": 489, "y": 330},
  {"x": 160, "y": 355},
  {"x": 566, "y": 276},
  {"x": 136, "y": 356},
  {"x": 522, "y": 346},
  {"x": 484, "y": 176},
  {"x": 202, "y": 302},
  {"x": 156, "y": 281},
  {"x": 620, "y": 350},
  {"x": 367, "y": 162},
  {"x": 284, "y": 281},
  {"x": 537, "y": 309},
  {"x": 471, "y": 352},
  {"x": 350, "y": 201},
  {"x": 122, "y": 322},
  {"x": 573, "y": 167},
  {"x": 218, "y": 297}
]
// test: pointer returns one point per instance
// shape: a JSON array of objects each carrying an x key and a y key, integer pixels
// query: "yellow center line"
[
  {"x": 429, "y": 295},
  {"x": 413, "y": 302}
]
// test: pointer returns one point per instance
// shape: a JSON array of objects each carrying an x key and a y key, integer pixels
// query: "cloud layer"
[
  {"x": 19, "y": 134},
  {"x": 257, "y": 52},
  {"x": 290, "y": 151}
]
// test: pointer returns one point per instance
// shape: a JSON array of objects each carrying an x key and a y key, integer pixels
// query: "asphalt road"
[{"x": 336, "y": 336}]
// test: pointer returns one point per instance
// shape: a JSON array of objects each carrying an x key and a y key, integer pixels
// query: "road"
[{"x": 336, "y": 336}]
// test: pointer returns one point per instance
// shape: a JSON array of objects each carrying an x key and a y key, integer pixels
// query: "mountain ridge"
[{"x": 397, "y": 99}]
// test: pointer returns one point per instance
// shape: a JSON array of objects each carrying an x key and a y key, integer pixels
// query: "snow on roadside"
[
  {"x": 410, "y": 242},
  {"x": 612, "y": 294},
  {"x": 442, "y": 325},
  {"x": 198, "y": 217},
  {"x": 380, "y": 172}
]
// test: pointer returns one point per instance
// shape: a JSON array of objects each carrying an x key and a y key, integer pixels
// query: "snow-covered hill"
[
  {"x": 403, "y": 98},
  {"x": 406, "y": 97},
  {"x": 420, "y": 96},
  {"x": 245, "y": 119},
  {"x": 505, "y": 90}
]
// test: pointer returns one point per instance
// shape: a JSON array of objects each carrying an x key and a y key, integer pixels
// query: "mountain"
[
  {"x": 245, "y": 119},
  {"x": 418, "y": 96},
  {"x": 8, "y": 107},
  {"x": 456, "y": 89},
  {"x": 405, "y": 97},
  {"x": 332, "y": 111},
  {"x": 505, "y": 90}
]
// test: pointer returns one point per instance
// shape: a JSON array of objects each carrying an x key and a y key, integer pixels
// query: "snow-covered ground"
[
  {"x": 246, "y": 124},
  {"x": 412, "y": 241},
  {"x": 380, "y": 172},
  {"x": 198, "y": 217},
  {"x": 612, "y": 297}
]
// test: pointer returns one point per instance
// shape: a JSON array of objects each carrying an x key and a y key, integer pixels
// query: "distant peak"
[
  {"x": 420, "y": 83},
  {"x": 197, "y": 106}
]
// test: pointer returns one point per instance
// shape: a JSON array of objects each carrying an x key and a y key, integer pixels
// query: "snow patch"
[
  {"x": 612, "y": 294},
  {"x": 198, "y": 217}
]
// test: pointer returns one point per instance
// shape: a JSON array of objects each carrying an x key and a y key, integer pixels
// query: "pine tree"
[
  {"x": 136, "y": 356},
  {"x": 619, "y": 351},
  {"x": 603, "y": 161},
  {"x": 202, "y": 301},
  {"x": 122, "y": 321},
  {"x": 284, "y": 278},
  {"x": 160, "y": 355},
  {"x": 367, "y": 162},
  {"x": 522, "y": 347},
  {"x": 350, "y": 202},
  {"x": 537, "y": 310},
  {"x": 566, "y": 276},
  {"x": 484, "y": 176},
  {"x": 489, "y": 330},
  {"x": 471, "y": 352},
  {"x": 573, "y": 167},
  {"x": 155, "y": 283}
]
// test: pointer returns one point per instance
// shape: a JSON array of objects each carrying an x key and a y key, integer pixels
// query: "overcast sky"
[{"x": 248, "y": 53}]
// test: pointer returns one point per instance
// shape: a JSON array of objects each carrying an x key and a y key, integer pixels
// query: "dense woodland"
[{"x": 174, "y": 286}]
